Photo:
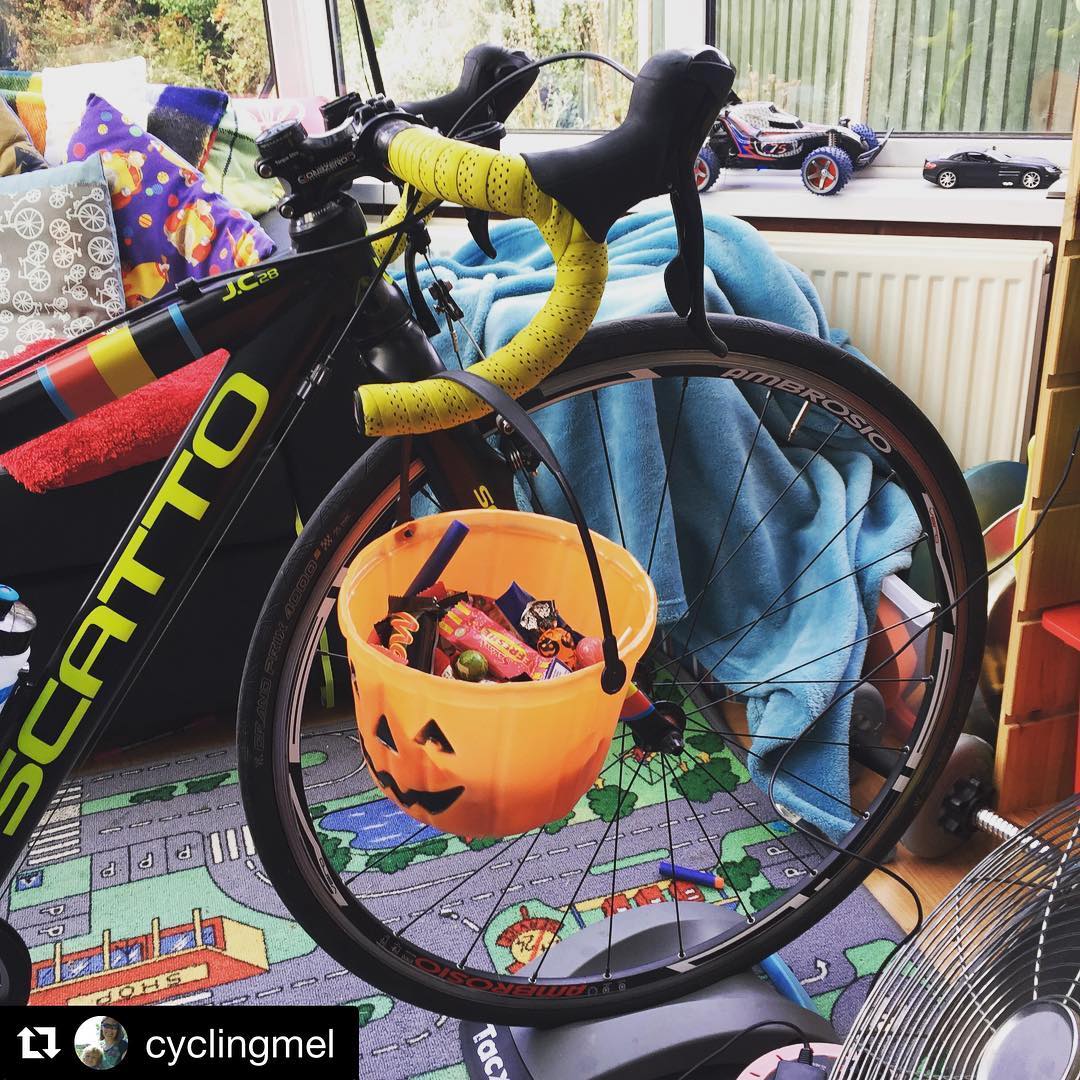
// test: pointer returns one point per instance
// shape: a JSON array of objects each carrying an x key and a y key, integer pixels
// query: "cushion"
[
  {"x": 139, "y": 427},
  {"x": 66, "y": 90},
  {"x": 59, "y": 268},
  {"x": 230, "y": 167},
  {"x": 29, "y": 106},
  {"x": 170, "y": 225},
  {"x": 185, "y": 118},
  {"x": 17, "y": 152}
]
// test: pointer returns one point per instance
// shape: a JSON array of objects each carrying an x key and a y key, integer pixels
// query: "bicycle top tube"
[{"x": 97, "y": 368}]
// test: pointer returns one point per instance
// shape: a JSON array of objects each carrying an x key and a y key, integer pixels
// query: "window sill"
[
  {"x": 880, "y": 195},
  {"x": 899, "y": 195}
]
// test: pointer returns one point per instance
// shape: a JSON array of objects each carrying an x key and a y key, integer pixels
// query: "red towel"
[{"x": 143, "y": 426}]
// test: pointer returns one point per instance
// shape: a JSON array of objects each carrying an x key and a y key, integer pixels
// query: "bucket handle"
[{"x": 614, "y": 676}]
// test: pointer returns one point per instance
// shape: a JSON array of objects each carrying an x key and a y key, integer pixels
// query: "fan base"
[{"x": 1040, "y": 1041}]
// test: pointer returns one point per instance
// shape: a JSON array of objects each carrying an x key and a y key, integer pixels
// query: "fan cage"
[{"x": 1006, "y": 936}]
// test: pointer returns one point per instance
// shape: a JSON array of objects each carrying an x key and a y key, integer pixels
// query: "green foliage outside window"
[
  {"x": 218, "y": 43},
  {"x": 421, "y": 43}
]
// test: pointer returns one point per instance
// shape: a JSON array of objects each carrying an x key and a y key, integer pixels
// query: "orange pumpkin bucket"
[{"x": 492, "y": 760}]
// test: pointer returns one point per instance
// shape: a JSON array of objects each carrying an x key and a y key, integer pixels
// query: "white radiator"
[{"x": 956, "y": 323}]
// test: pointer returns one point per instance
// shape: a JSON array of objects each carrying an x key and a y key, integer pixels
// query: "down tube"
[{"x": 52, "y": 718}]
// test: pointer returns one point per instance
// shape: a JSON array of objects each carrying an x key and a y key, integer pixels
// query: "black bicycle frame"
[{"x": 288, "y": 313}]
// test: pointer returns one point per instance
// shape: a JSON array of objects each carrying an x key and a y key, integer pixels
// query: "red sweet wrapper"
[{"x": 466, "y": 627}]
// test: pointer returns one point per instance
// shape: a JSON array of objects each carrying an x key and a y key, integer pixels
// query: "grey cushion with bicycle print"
[{"x": 59, "y": 260}]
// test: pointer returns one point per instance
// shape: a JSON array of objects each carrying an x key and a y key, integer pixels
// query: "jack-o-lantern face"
[
  {"x": 470, "y": 770},
  {"x": 434, "y": 802}
]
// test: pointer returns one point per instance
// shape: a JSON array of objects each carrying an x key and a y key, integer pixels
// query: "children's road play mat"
[{"x": 143, "y": 886}]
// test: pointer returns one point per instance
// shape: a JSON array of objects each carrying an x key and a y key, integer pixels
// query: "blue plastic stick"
[
  {"x": 438, "y": 560},
  {"x": 785, "y": 981},
  {"x": 693, "y": 877}
]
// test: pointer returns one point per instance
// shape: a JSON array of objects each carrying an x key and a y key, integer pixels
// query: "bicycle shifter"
[
  {"x": 675, "y": 100},
  {"x": 684, "y": 277}
]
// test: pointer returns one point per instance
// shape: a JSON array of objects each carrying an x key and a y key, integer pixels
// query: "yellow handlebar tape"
[{"x": 485, "y": 179}]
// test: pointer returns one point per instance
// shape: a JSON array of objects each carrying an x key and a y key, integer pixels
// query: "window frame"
[{"x": 308, "y": 68}]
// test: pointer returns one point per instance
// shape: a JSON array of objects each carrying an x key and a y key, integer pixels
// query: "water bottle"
[{"x": 17, "y": 624}]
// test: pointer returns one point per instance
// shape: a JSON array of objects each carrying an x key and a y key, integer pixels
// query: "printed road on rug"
[{"x": 143, "y": 886}]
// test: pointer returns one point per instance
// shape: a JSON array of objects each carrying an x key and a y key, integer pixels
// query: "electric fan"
[{"x": 989, "y": 989}]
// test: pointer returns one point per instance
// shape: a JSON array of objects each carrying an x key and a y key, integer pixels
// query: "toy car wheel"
[
  {"x": 706, "y": 169},
  {"x": 946, "y": 179},
  {"x": 867, "y": 133},
  {"x": 1031, "y": 179},
  {"x": 826, "y": 170}
]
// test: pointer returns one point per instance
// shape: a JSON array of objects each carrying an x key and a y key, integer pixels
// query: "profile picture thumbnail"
[{"x": 101, "y": 1043}]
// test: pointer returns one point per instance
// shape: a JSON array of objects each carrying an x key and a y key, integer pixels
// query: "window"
[
  {"x": 420, "y": 45},
  {"x": 217, "y": 43},
  {"x": 1006, "y": 66}
]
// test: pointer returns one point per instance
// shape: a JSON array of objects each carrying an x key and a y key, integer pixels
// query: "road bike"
[{"x": 811, "y": 413}]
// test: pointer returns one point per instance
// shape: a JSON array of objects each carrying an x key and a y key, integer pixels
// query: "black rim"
[{"x": 420, "y": 963}]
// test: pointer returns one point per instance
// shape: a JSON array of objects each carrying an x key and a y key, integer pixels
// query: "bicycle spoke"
[
  {"x": 502, "y": 896},
  {"x": 537, "y": 502},
  {"x": 607, "y": 462},
  {"x": 747, "y": 632},
  {"x": 585, "y": 873},
  {"x": 728, "y": 876},
  {"x": 734, "y": 743},
  {"x": 832, "y": 652},
  {"x": 671, "y": 856},
  {"x": 709, "y": 729},
  {"x": 384, "y": 855},
  {"x": 331, "y": 654},
  {"x": 667, "y": 474},
  {"x": 790, "y": 604},
  {"x": 457, "y": 885},
  {"x": 615, "y": 864},
  {"x": 695, "y": 604},
  {"x": 800, "y": 682},
  {"x": 746, "y": 808},
  {"x": 713, "y": 573}
]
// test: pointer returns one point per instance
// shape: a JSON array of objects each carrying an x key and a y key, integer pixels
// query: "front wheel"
[
  {"x": 1031, "y": 180},
  {"x": 866, "y": 133},
  {"x": 768, "y": 494}
]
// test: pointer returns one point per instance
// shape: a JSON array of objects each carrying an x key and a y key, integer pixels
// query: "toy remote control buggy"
[{"x": 758, "y": 135}]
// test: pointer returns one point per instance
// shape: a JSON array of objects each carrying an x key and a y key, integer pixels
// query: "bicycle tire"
[{"x": 610, "y": 353}]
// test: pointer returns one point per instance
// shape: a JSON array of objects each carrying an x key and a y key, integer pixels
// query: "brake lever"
[
  {"x": 489, "y": 134},
  {"x": 684, "y": 277},
  {"x": 477, "y": 221}
]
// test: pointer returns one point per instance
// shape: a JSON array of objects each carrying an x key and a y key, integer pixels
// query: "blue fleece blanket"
[{"x": 781, "y": 525}]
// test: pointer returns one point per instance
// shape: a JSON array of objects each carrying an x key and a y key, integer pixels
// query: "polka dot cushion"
[{"x": 170, "y": 226}]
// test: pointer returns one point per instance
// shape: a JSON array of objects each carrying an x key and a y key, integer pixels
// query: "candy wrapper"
[
  {"x": 466, "y": 627},
  {"x": 411, "y": 628},
  {"x": 540, "y": 625}
]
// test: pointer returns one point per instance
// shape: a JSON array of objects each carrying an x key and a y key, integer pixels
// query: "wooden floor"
[{"x": 933, "y": 879}]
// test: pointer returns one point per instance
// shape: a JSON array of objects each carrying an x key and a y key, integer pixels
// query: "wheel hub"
[
  {"x": 1040, "y": 1041},
  {"x": 660, "y": 731}
]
